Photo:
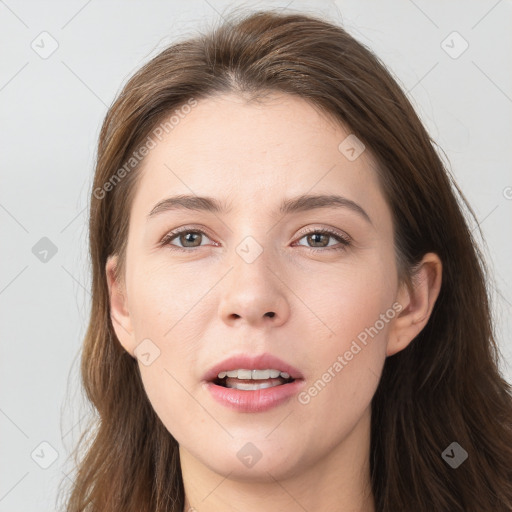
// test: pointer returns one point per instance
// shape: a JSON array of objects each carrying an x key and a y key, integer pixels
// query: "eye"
[
  {"x": 320, "y": 239},
  {"x": 191, "y": 238},
  {"x": 188, "y": 238}
]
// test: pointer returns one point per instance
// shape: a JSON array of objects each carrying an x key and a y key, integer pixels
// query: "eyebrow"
[{"x": 297, "y": 204}]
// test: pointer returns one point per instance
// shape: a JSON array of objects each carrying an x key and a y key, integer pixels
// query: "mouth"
[
  {"x": 253, "y": 384},
  {"x": 252, "y": 380},
  {"x": 257, "y": 371}
]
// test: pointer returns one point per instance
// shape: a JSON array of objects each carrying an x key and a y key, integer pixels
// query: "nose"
[{"x": 253, "y": 294}]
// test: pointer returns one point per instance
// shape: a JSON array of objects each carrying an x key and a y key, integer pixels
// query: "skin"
[{"x": 199, "y": 307}]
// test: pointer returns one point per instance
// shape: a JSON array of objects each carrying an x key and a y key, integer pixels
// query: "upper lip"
[{"x": 252, "y": 362}]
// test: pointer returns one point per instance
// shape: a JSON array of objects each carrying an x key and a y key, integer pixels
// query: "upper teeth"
[{"x": 254, "y": 374}]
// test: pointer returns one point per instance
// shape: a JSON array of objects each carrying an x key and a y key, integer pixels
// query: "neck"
[{"x": 339, "y": 481}]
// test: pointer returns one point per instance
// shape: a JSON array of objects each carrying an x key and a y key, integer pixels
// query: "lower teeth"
[{"x": 253, "y": 386}]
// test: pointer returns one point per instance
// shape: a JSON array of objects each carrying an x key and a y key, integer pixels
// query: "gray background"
[{"x": 51, "y": 110}]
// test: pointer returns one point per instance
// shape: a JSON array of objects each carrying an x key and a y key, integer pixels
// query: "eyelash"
[{"x": 345, "y": 241}]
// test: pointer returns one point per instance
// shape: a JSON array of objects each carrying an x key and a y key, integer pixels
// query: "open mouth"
[
  {"x": 253, "y": 383},
  {"x": 252, "y": 380},
  {"x": 268, "y": 383}
]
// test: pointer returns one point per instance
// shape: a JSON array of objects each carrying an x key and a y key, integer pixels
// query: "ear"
[
  {"x": 119, "y": 313},
  {"x": 417, "y": 303}
]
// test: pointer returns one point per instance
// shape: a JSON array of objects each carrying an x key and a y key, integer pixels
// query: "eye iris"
[
  {"x": 315, "y": 235},
  {"x": 187, "y": 238}
]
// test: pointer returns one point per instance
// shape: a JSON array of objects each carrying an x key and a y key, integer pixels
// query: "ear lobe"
[
  {"x": 119, "y": 313},
  {"x": 417, "y": 303}
]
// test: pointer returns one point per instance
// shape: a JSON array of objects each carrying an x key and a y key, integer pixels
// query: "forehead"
[{"x": 227, "y": 147}]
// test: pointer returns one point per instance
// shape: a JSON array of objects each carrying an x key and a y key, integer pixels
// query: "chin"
[{"x": 256, "y": 461}]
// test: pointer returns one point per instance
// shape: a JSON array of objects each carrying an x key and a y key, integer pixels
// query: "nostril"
[{"x": 271, "y": 314}]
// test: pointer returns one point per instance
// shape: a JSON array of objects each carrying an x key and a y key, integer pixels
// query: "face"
[{"x": 314, "y": 285}]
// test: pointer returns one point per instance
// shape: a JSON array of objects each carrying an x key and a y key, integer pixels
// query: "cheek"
[
  {"x": 347, "y": 366},
  {"x": 346, "y": 300},
  {"x": 166, "y": 310},
  {"x": 163, "y": 296},
  {"x": 172, "y": 399},
  {"x": 347, "y": 340}
]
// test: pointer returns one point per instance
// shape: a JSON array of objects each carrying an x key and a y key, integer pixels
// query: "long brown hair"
[{"x": 444, "y": 387}]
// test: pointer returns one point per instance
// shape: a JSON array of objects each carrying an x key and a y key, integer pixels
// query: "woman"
[{"x": 288, "y": 309}]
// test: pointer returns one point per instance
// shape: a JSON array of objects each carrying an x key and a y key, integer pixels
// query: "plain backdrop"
[{"x": 62, "y": 64}]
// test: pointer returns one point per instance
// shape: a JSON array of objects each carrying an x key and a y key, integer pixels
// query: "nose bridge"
[
  {"x": 253, "y": 291},
  {"x": 252, "y": 241}
]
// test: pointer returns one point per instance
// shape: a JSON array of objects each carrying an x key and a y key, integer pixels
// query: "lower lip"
[{"x": 258, "y": 400}]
